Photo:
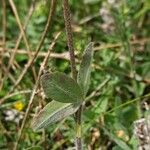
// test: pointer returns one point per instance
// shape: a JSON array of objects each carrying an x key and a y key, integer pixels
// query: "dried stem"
[
  {"x": 18, "y": 42},
  {"x": 4, "y": 39},
  {"x": 67, "y": 18},
  {"x": 30, "y": 62},
  {"x": 4, "y": 26},
  {"x": 64, "y": 55},
  {"x": 97, "y": 92},
  {"x": 44, "y": 63},
  {"x": 31, "y": 9},
  {"x": 22, "y": 32},
  {"x": 17, "y": 93},
  {"x": 19, "y": 24},
  {"x": 4, "y": 69},
  {"x": 141, "y": 41}
]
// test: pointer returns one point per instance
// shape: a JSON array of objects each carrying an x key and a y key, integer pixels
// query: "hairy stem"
[
  {"x": 67, "y": 18},
  {"x": 78, "y": 129}
]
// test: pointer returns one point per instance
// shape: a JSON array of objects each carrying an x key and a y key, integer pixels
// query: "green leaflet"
[
  {"x": 62, "y": 88},
  {"x": 85, "y": 68},
  {"x": 53, "y": 112}
]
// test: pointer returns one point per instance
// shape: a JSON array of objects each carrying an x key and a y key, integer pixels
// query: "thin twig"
[
  {"x": 3, "y": 40},
  {"x": 22, "y": 32},
  {"x": 16, "y": 93},
  {"x": 64, "y": 55},
  {"x": 134, "y": 42},
  {"x": 130, "y": 76},
  {"x": 56, "y": 55},
  {"x": 88, "y": 18},
  {"x": 30, "y": 62},
  {"x": 19, "y": 24},
  {"x": 31, "y": 9},
  {"x": 4, "y": 69},
  {"x": 17, "y": 44},
  {"x": 99, "y": 87},
  {"x": 4, "y": 26},
  {"x": 44, "y": 63}
]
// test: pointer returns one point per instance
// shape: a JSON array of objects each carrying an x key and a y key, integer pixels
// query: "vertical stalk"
[
  {"x": 47, "y": 27},
  {"x": 4, "y": 25},
  {"x": 67, "y": 18},
  {"x": 78, "y": 129}
]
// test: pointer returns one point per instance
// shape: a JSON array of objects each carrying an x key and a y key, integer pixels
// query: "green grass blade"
[
  {"x": 34, "y": 148},
  {"x": 53, "y": 112},
  {"x": 85, "y": 68},
  {"x": 62, "y": 88},
  {"x": 117, "y": 140}
]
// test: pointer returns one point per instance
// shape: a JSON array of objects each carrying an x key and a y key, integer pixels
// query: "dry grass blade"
[
  {"x": 44, "y": 63},
  {"x": 4, "y": 69},
  {"x": 19, "y": 24},
  {"x": 51, "y": 14},
  {"x": 97, "y": 92},
  {"x": 3, "y": 40},
  {"x": 17, "y": 93},
  {"x": 31, "y": 10},
  {"x": 115, "y": 45},
  {"x": 64, "y": 55},
  {"x": 22, "y": 32},
  {"x": 4, "y": 27},
  {"x": 17, "y": 44}
]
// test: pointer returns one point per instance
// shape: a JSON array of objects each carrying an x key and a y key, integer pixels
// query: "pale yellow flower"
[{"x": 19, "y": 105}]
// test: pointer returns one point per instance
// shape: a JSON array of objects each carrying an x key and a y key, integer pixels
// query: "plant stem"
[
  {"x": 67, "y": 18},
  {"x": 78, "y": 129}
]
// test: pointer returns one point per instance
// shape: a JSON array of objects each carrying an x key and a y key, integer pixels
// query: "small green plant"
[{"x": 67, "y": 94}]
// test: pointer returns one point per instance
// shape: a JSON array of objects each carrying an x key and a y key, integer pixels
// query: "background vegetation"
[{"x": 119, "y": 90}]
